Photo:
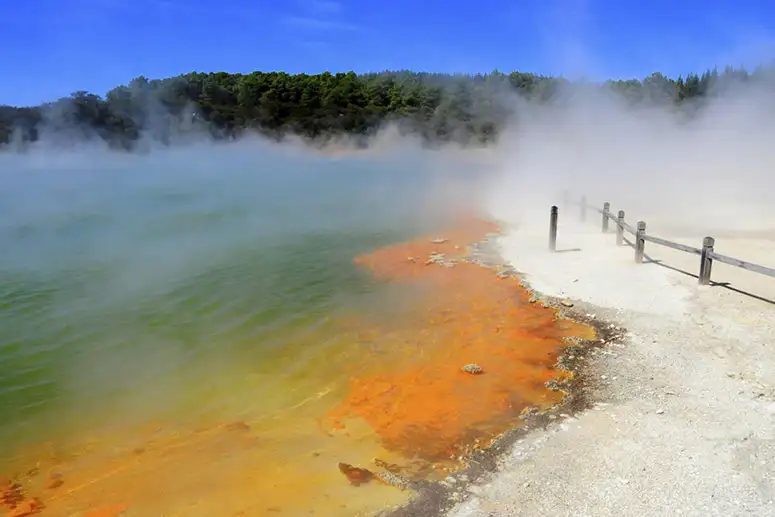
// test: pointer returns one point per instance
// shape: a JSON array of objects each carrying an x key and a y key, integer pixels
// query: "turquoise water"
[{"x": 130, "y": 281}]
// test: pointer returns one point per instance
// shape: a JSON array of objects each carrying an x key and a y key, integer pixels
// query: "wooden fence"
[{"x": 705, "y": 252}]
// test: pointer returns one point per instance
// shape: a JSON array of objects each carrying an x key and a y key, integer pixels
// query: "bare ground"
[{"x": 683, "y": 415}]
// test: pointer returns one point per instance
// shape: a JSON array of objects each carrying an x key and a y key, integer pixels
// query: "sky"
[{"x": 51, "y": 48}]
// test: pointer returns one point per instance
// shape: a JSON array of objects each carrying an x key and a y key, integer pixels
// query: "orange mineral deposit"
[
  {"x": 424, "y": 405},
  {"x": 391, "y": 395}
]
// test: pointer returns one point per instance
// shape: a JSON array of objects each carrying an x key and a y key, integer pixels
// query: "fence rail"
[{"x": 706, "y": 252}]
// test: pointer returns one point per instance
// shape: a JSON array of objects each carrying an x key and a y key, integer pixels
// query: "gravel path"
[{"x": 685, "y": 417}]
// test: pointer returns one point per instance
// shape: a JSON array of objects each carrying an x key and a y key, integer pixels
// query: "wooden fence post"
[
  {"x": 706, "y": 262},
  {"x": 553, "y": 229},
  {"x": 583, "y": 208},
  {"x": 640, "y": 242},
  {"x": 620, "y": 229},
  {"x": 606, "y": 211}
]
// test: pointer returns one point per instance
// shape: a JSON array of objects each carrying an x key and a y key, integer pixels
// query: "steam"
[
  {"x": 703, "y": 166},
  {"x": 709, "y": 171}
]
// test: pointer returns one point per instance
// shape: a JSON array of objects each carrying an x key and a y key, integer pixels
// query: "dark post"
[
  {"x": 583, "y": 209},
  {"x": 706, "y": 262},
  {"x": 606, "y": 212},
  {"x": 640, "y": 242},
  {"x": 620, "y": 229},
  {"x": 553, "y": 229}
]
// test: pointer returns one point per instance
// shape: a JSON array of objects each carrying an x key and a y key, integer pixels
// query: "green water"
[{"x": 132, "y": 279}]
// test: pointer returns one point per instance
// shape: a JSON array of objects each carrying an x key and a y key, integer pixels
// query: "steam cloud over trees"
[{"x": 440, "y": 108}]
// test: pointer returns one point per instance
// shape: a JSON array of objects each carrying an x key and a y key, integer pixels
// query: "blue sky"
[{"x": 51, "y": 48}]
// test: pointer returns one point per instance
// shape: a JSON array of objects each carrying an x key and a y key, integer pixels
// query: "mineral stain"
[
  {"x": 426, "y": 404},
  {"x": 404, "y": 398}
]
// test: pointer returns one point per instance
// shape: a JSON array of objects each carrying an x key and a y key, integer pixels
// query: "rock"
[
  {"x": 391, "y": 479},
  {"x": 473, "y": 369},
  {"x": 527, "y": 412},
  {"x": 355, "y": 475},
  {"x": 566, "y": 303},
  {"x": 660, "y": 411},
  {"x": 11, "y": 493},
  {"x": 435, "y": 258},
  {"x": 26, "y": 508},
  {"x": 553, "y": 385}
]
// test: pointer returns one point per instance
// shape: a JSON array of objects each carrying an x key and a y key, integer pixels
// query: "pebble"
[
  {"x": 393, "y": 480},
  {"x": 660, "y": 411},
  {"x": 473, "y": 369},
  {"x": 566, "y": 303}
]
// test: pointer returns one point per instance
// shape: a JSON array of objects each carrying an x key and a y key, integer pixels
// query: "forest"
[{"x": 469, "y": 109}]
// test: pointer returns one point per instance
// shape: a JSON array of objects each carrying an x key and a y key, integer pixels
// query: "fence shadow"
[
  {"x": 726, "y": 285},
  {"x": 706, "y": 252}
]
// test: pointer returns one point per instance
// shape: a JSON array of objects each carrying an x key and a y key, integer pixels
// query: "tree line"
[{"x": 437, "y": 107}]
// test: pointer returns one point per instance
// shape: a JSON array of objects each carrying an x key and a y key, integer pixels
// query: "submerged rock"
[
  {"x": 473, "y": 369},
  {"x": 26, "y": 508},
  {"x": 11, "y": 493},
  {"x": 54, "y": 480},
  {"x": 355, "y": 475}
]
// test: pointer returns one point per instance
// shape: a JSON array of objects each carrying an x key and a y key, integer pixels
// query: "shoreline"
[
  {"x": 436, "y": 498},
  {"x": 680, "y": 406}
]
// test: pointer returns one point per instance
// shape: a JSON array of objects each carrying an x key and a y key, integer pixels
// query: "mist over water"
[{"x": 128, "y": 282}]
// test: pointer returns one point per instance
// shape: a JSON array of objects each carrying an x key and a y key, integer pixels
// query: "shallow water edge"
[{"x": 436, "y": 498}]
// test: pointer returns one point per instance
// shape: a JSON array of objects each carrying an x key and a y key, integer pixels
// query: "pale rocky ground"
[{"x": 684, "y": 421}]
